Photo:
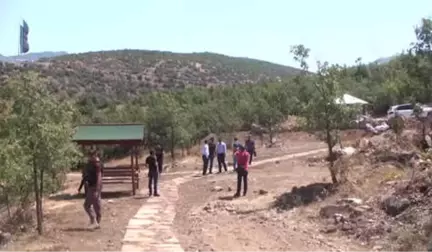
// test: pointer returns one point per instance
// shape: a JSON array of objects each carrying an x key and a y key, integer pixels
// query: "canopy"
[
  {"x": 349, "y": 99},
  {"x": 125, "y": 134}
]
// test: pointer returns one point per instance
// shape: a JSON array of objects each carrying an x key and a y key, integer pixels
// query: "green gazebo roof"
[{"x": 90, "y": 134}]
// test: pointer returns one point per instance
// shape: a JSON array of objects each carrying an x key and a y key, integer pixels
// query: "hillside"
[
  {"x": 126, "y": 73},
  {"x": 30, "y": 56}
]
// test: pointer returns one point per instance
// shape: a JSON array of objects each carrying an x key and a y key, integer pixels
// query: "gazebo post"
[
  {"x": 132, "y": 172},
  {"x": 136, "y": 170}
]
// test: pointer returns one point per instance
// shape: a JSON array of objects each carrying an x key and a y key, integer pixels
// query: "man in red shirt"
[{"x": 242, "y": 157}]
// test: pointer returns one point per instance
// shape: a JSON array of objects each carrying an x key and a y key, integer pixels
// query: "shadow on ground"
[
  {"x": 304, "y": 195},
  {"x": 105, "y": 195}
]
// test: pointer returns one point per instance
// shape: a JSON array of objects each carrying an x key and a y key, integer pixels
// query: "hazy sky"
[{"x": 338, "y": 31}]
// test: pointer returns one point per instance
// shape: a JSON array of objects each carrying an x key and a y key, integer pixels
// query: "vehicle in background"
[{"x": 407, "y": 110}]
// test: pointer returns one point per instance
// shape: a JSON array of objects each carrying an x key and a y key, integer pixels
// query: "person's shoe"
[
  {"x": 236, "y": 195},
  {"x": 244, "y": 194},
  {"x": 156, "y": 195},
  {"x": 150, "y": 194},
  {"x": 97, "y": 226}
]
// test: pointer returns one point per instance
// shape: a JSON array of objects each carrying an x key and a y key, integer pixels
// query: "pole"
[{"x": 19, "y": 41}]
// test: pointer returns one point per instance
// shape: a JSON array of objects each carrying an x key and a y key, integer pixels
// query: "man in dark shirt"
[
  {"x": 250, "y": 148},
  {"x": 153, "y": 174},
  {"x": 93, "y": 180},
  {"x": 212, "y": 152},
  {"x": 159, "y": 157}
]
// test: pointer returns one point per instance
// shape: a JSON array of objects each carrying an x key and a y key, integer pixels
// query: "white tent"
[{"x": 349, "y": 99}]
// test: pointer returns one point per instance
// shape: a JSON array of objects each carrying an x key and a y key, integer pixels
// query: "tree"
[
  {"x": 40, "y": 129},
  {"x": 323, "y": 113}
]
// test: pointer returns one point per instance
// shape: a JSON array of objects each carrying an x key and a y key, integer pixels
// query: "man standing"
[
  {"x": 236, "y": 145},
  {"x": 153, "y": 174},
  {"x": 93, "y": 180},
  {"x": 212, "y": 151},
  {"x": 205, "y": 156},
  {"x": 159, "y": 157},
  {"x": 221, "y": 154},
  {"x": 250, "y": 148},
  {"x": 242, "y": 170}
]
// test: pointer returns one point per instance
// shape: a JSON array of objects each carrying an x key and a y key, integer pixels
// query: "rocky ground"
[{"x": 382, "y": 202}]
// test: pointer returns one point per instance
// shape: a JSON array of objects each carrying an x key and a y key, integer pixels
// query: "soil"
[{"x": 206, "y": 219}]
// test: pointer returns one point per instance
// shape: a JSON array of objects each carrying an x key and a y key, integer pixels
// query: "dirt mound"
[
  {"x": 355, "y": 219},
  {"x": 304, "y": 195}
]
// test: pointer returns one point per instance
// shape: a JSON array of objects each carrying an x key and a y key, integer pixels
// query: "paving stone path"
[{"x": 151, "y": 229}]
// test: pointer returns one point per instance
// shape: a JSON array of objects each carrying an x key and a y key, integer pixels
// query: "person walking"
[
  {"x": 212, "y": 152},
  {"x": 236, "y": 145},
  {"x": 159, "y": 157},
  {"x": 205, "y": 156},
  {"x": 221, "y": 154},
  {"x": 250, "y": 148},
  {"x": 93, "y": 181},
  {"x": 153, "y": 174},
  {"x": 242, "y": 170}
]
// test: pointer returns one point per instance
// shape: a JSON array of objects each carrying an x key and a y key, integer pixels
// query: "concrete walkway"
[{"x": 151, "y": 229}]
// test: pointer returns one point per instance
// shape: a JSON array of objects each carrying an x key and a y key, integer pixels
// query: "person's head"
[
  {"x": 158, "y": 146},
  {"x": 249, "y": 137},
  {"x": 151, "y": 152},
  {"x": 241, "y": 148},
  {"x": 211, "y": 139},
  {"x": 235, "y": 139},
  {"x": 93, "y": 155},
  {"x": 205, "y": 141},
  {"x": 220, "y": 140}
]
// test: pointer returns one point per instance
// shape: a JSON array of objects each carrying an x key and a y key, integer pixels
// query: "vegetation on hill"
[
  {"x": 124, "y": 74},
  {"x": 112, "y": 87}
]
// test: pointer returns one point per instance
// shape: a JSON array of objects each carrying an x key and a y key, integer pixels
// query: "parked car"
[{"x": 407, "y": 110}]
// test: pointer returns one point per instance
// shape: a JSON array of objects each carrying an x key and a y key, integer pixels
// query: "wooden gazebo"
[{"x": 131, "y": 135}]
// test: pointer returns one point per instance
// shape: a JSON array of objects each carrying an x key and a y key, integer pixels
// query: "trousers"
[{"x": 93, "y": 198}]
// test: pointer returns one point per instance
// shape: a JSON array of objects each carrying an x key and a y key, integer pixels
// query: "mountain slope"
[
  {"x": 31, "y": 56},
  {"x": 126, "y": 73}
]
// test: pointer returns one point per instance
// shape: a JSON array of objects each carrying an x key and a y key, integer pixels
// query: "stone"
[
  {"x": 377, "y": 248},
  {"x": 5, "y": 237},
  {"x": 394, "y": 205},
  {"x": 217, "y": 189},
  {"x": 354, "y": 201},
  {"x": 262, "y": 192},
  {"x": 328, "y": 230},
  {"x": 330, "y": 210}
]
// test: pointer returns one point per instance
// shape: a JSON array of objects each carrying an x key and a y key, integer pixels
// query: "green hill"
[{"x": 123, "y": 74}]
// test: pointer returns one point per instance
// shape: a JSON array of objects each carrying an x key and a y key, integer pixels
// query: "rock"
[
  {"x": 229, "y": 189},
  {"x": 330, "y": 210},
  {"x": 377, "y": 248},
  {"x": 110, "y": 201},
  {"x": 277, "y": 162},
  {"x": 328, "y": 230},
  {"x": 5, "y": 237},
  {"x": 355, "y": 201},
  {"x": 394, "y": 205},
  {"x": 363, "y": 144},
  {"x": 346, "y": 227},
  {"x": 262, "y": 192},
  {"x": 217, "y": 189}
]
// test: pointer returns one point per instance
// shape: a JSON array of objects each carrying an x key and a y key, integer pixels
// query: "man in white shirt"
[
  {"x": 205, "y": 156},
  {"x": 221, "y": 154}
]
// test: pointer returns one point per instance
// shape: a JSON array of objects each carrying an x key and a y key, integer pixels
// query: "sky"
[{"x": 337, "y": 31}]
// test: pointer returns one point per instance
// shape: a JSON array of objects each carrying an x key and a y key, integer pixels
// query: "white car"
[{"x": 407, "y": 110}]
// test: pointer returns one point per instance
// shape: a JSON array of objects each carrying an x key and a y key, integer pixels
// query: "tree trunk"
[
  {"x": 172, "y": 144},
  {"x": 41, "y": 189},
  {"x": 331, "y": 156},
  {"x": 38, "y": 199}
]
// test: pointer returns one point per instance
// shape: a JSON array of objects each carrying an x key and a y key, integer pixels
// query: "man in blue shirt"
[{"x": 250, "y": 147}]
